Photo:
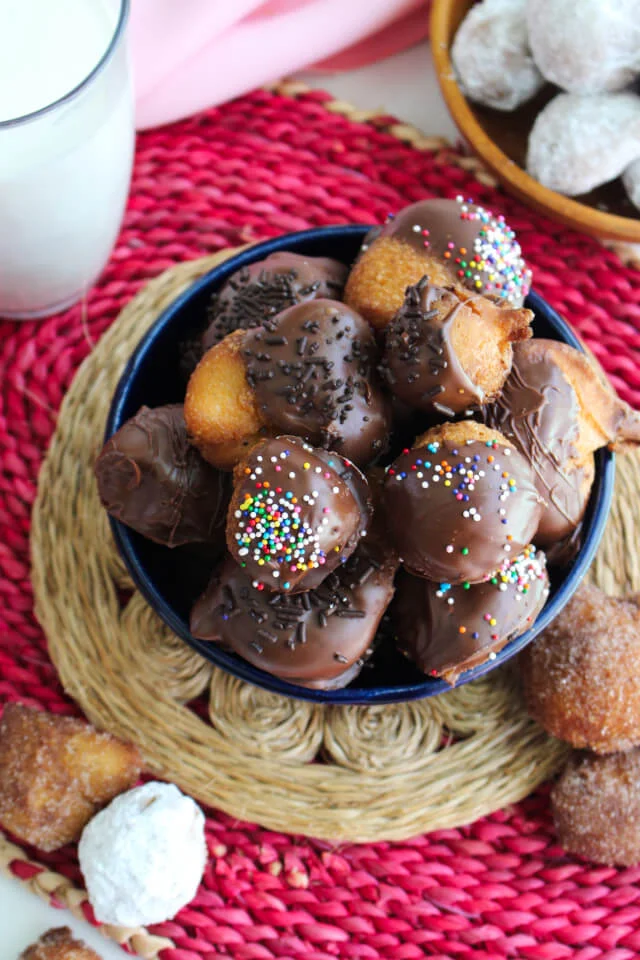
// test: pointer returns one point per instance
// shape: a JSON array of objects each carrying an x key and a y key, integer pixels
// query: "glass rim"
[{"x": 75, "y": 91}]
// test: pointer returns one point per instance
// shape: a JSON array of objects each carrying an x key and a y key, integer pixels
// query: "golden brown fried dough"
[
  {"x": 220, "y": 408},
  {"x": 596, "y": 807},
  {"x": 56, "y": 773},
  {"x": 605, "y": 419},
  {"x": 448, "y": 352},
  {"x": 311, "y": 373},
  {"x": 449, "y": 241},
  {"x": 582, "y": 675},
  {"x": 58, "y": 944}
]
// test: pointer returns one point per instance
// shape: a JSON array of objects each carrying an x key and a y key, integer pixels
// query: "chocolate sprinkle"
[
  {"x": 321, "y": 382},
  {"x": 256, "y": 294}
]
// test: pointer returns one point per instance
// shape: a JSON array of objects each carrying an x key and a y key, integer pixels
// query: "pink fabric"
[{"x": 192, "y": 54}]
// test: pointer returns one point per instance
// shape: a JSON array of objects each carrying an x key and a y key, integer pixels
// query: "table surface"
[{"x": 404, "y": 86}]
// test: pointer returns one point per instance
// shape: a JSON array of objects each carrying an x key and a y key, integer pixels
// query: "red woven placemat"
[{"x": 260, "y": 166}]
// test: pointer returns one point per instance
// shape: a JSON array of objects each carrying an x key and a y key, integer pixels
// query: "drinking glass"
[{"x": 64, "y": 178}]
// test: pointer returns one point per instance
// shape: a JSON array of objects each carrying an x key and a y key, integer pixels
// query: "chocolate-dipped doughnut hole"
[
  {"x": 315, "y": 376},
  {"x": 447, "y": 629},
  {"x": 557, "y": 409},
  {"x": 311, "y": 373},
  {"x": 295, "y": 514},
  {"x": 449, "y": 241},
  {"x": 151, "y": 478},
  {"x": 446, "y": 354},
  {"x": 254, "y": 295},
  {"x": 467, "y": 500},
  {"x": 319, "y": 638}
]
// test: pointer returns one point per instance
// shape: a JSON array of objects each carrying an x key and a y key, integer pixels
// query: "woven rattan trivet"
[{"x": 387, "y": 772}]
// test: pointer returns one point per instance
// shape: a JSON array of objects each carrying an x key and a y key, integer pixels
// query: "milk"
[{"x": 64, "y": 172}]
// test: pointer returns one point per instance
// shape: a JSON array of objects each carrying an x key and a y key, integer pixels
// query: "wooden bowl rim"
[{"x": 575, "y": 214}]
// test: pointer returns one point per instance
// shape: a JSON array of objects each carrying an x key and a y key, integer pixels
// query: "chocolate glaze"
[
  {"x": 316, "y": 639},
  {"x": 254, "y": 295},
  {"x": 151, "y": 478},
  {"x": 448, "y": 629},
  {"x": 314, "y": 375},
  {"x": 419, "y": 362},
  {"x": 479, "y": 247},
  {"x": 434, "y": 528},
  {"x": 538, "y": 411},
  {"x": 289, "y": 497}
]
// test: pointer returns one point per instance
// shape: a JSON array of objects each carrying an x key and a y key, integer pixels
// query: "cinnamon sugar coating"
[
  {"x": 58, "y": 944},
  {"x": 596, "y": 808},
  {"x": 56, "y": 773},
  {"x": 581, "y": 676}
]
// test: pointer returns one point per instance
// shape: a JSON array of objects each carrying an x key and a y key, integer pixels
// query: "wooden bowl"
[{"x": 500, "y": 140}]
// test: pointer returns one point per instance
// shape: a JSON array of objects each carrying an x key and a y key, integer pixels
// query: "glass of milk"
[{"x": 66, "y": 148}]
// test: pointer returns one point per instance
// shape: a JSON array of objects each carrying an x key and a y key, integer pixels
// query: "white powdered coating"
[
  {"x": 586, "y": 46},
  {"x": 578, "y": 143},
  {"x": 631, "y": 182},
  {"x": 143, "y": 856},
  {"x": 491, "y": 56}
]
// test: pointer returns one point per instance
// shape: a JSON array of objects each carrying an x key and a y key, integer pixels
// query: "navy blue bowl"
[{"x": 171, "y": 580}]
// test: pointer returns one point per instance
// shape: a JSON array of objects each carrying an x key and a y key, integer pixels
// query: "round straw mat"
[{"x": 384, "y": 772}]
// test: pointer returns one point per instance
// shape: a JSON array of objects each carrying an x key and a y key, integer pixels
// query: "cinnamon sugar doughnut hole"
[
  {"x": 581, "y": 677},
  {"x": 596, "y": 808}
]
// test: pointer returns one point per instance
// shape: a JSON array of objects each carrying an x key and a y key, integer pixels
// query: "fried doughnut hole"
[
  {"x": 581, "y": 678},
  {"x": 220, "y": 408},
  {"x": 596, "y": 807},
  {"x": 58, "y": 944},
  {"x": 55, "y": 773}
]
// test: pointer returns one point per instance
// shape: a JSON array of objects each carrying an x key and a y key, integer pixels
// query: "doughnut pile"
[
  {"x": 505, "y": 51},
  {"x": 397, "y": 466},
  {"x": 581, "y": 683},
  {"x": 142, "y": 850}
]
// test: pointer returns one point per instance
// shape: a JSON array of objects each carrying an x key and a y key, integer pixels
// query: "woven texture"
[
  {"x": 384, "y": 773},
  {"x": 263, "y": 165}
]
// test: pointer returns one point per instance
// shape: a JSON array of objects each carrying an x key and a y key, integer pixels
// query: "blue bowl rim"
[{"x": 603, "y": 493}]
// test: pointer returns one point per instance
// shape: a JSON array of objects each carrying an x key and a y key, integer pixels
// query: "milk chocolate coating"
[
  {"x": 434, "y": 493},
  {"x": 538, "y": 411},
  {"x": 254, "y": 295},
  {"x": 479, "y": 247},
  {"x": 296, "y": 513},
  {"x": 449, "y": 629},
  {"x": 314, "y": 375},
  {"x": 419, "y": 362},
  {"x": 151, "y": 478},
  {"x": 316, "y": 639}
]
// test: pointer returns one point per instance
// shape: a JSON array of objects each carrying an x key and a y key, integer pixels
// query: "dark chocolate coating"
[
  {"x": 432, "y": 508},
  {"x": 448, "y": 629},
  {"x": 296, "y": 513},
  {"x": 152, "y": 479},
  {"x": 479, "y": 247},
  {"x": 254, "y": 295},
  {"x": 314, "y": 375},
  {"x": 419, "y": 362},
  {"x": 316, "y": 639},
  {"x": 538, "y": 411}
]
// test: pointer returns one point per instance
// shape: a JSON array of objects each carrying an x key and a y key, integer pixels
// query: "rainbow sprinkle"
[
  {"x": 461, "y": 477},
  {"x": 517, "y": 574},
  {"x": 271, "y": 530},
  {"x": 496, "y": 253}
]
